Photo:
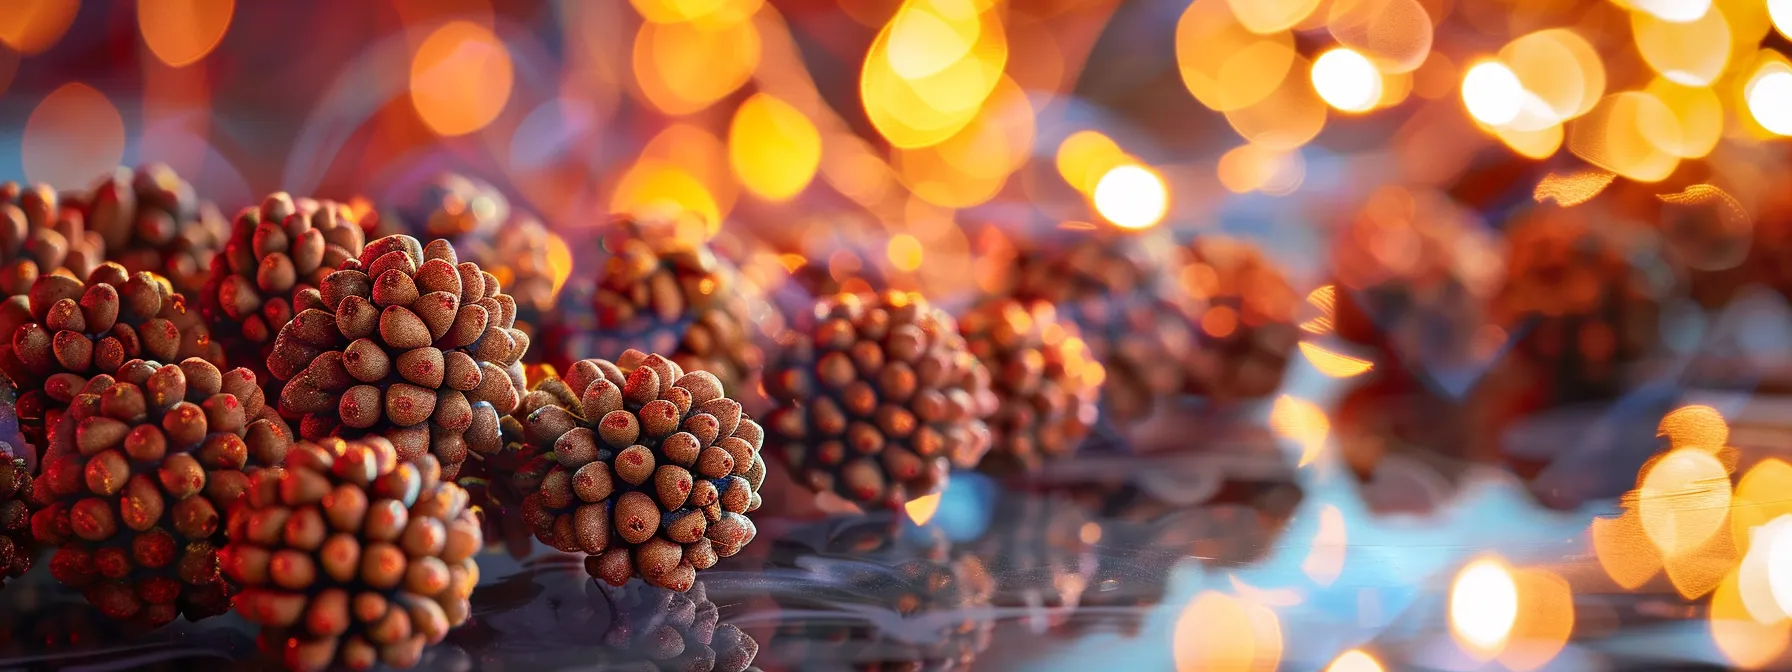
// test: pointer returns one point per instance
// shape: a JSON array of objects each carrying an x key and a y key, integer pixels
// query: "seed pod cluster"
[
  {"x": 349, "y": 557},
  {"x": 1242, "y": 314},
  {"x": 531, "y": 262},
  {"x": 878, "y": 396},
  {"x": 1045, "y": 379},
  {"x": 151, "y": 220},
  {"x": 455, "y": 207},
  {"x": 656, "y": 629},
  {"x": 411, "y": 344},
  {"x": 39, "y": 235},
  {"x": 1118, "y": 288},
  {"x": 65, "y": 331},
  {"x": 141, "y": 474},
  {"x": 1584, "y": 299},
  {"x": 652, "y": 470},
  {"x": 659, "y": 292},
  {"x": 952, "y": 592},
  {"x": 278, "y": 256},
  {"x": 1414, "y": 277},
  {"x": 15, "y": 515}
]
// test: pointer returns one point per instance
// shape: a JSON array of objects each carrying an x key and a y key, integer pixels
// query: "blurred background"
[{"x": 1614, "y": 522}]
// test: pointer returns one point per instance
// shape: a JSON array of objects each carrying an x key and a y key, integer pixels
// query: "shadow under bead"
[
  {"x": 277, "y": 258},
  {"x": 141, "y": 476},
  {"x": 348, "y": 557},
  {"x": 65, "y": 331},
  {"x": 650, "y": 470},
  {"x": 1241, "y": 311},
  {"x": 1118, "y": 288},
  {"x": 411, "y": 344},
  {"x": 1046, "y": 381},
  {"x": 152, "y": 220},
  {"x": 660, "y": 292},
  {"x": 878, "y": 397},
  {"x": 39, "y": 235},
  {"x": 1584, "y": 302}
]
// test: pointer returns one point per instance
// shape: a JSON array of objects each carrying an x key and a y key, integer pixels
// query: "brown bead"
[
  {"x": 408, "y": 405},
  {"x": 423, "y": 366},
  {"x": 681, "y": 449},
  {"x": 423, "y": 536},
  {"x": 382, "y": 565},
  {"x": 107, "y": 472},
  {"x": 328, "y": 613},
  {"x": 385, "y": 520},
  {"x": 672, "y": 484},
  {"x": 715, "y": 462},
  {"x": 402, "y": 329},
  {"x": 576, "y": 448},
  {"x": 592, "y": 482},
  {"x": 614, "y": 566},
  {"x": 636, "y": 518},
  {"x": 659, "y": 418},
  {"x": 340, "y": 557},
  {"x": 619, "y": 429},
  {"x": 635, "y": 465},
  {"x": 292, "y": 570},
  {"x": 426, "y": 575},
  {"x": 591, "y": 528},
  {"x": 181, "y": 476},
  {"x": 141, "y": 505}
]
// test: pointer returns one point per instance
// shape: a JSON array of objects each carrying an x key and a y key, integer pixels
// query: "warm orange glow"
[
  {"x": 181, "y": 32},
  {"x": 1574, "y": 188},
  {"x": 1695, "y": 426},
  {"x": 684, "y": 67},
  {"x": 1346, "y": 80},
  {"x": 1692, "y": 52},
  {"x": 1761, "y": 497},
  {"x": 72, "y": 136},
  {"x": 1250, "y": 167},
  {"x": 1626, "y": 134},
  {"x": 1286, "y": 118},
  {"x": 460, "y": 78},
  {"x": 1270, "y": 16},
  {"x": 1483, "y": 607},
  {"x": 1085, "y": 156},
  {"x": 1225, "y": 65},
  {"x": 1683, "y": 500},
  {"x": 921, "y": 509},
  {"x": 773, "y": 147},
  {"x": 1696, "y": 571},
  {"x": 1132, "y": 197},
  {"x": 1561, "y": 74},
  {"x": 1769, "y": 97},
  {"x": 1354, "y": 660},
  {"x": 702, "y": 12},
  {"x": 1545, "y": 620},
  {"x": 1302, "y": 422},
  {"x": 1698, "y": 113},
  {"x": 1333, "y": 364},
  {"x": 931, "y": 68},
  {"x": 1623, "y": 549},
  {"x": 1747, "y": 643},
  {"x": 1326, "y": 561},
  {"x": 1220, "y": 633},
  {"x": 1492, "y": 93},
  {"x": 1539, "y": 144},
  {"x": 904, "y": 252},
  {"x": 1396, "y": 34},
  {"x": 559, "y": 260},
  {"x": 1766, "y": 574},
  {"x": 31, "y": 26},
  {"x": 657, "y": 189}
]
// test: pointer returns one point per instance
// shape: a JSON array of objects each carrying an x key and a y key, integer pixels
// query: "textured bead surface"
[
  {"x": 152, "y": 220},
  {"x": 878, "y": 396},
  {"x": 1045, "y": 379}
]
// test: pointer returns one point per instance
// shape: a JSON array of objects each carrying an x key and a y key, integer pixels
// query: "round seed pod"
[
  {"x": 276, "y": 252},
  {"x": 407, "y": 345},
  {"x": 151, "y": 220},
  {"x": 346, "y": 556},
  {"x": 1584, "y": 302},
  {"x": 532, "y": 263},
  {"x": 653, "y": 472},
  {"x": 1119, "y": 289},
  {"x": 141, "y": 476},
  {"x": 16, "y": 541},
  {"x": 1415, "y": 273},
  {"x": 878, "y": 396},
  {"x": 1241, "y": 311},
  {"x": 1045, "y": 379},
  {"x": 40, "y": 235},
  {"x": 659, "y": 291},
  {"x": 456, "y": 207},
  {"x": 64, "y": 332}
]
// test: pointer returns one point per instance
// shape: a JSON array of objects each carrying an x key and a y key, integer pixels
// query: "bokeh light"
[
  {"x": 1225, "y": 65},
  {"x": 31, "y": 26},
  {"x": 773, "y": 147},
  {"x": 1692, "y": 53},
  {"x": 1545, "y": 620},
  {"x": 904, "y": 252},
  {"x": 1781, "y": 12},
  {"x": 180, "y": 32},
  {"x": 1330, "y": 545},
  {"x": 1304, "y": 423},
  {"x": 1396, "y": 34},
  {"x": 1626, "y": 134},
  {"x": 1683, "y": 500},
  {"x": 1354, "y": 660},
  {"x": 74, "y": 135},
  {"x": 1769, "y": 96},
  {"x": 1346, "y": 80},
  {"x": 1085, "y": 156},
  {"x": 702, "y": 12},
  {"x": 1132, "y": 197},
  {"x": 460, "y": 78},
  {"x": 683, "y": 68},
  {"x": 1673, "y": 11},
  {"x": 1492, "y": 93},
  {"x": 1286, "y": 119},
  {"x": 1220, "y": 633},
  {"x": 1266, "y": 17},
  {"x": 930, "y": 69},
  {"x": 1745, "y": 642},
  {"x": 1483, "y": 606}
]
